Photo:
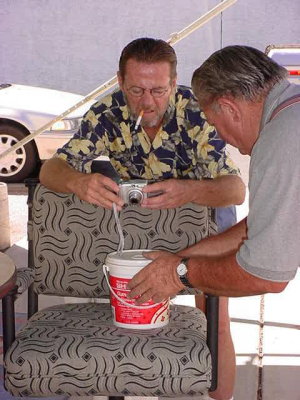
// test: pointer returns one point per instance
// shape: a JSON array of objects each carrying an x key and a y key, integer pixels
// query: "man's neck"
[
  {"x": 255, "y": 111},
  {"x": 152, "y": 131}
]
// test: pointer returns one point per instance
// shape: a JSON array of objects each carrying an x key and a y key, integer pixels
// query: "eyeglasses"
[{"x": 137, "y": 91}]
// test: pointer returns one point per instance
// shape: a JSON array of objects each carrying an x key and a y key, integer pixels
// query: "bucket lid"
[{"x": 128, "y": 258}]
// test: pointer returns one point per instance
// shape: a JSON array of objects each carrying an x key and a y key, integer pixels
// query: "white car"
[{"x": 23, "y": 110}]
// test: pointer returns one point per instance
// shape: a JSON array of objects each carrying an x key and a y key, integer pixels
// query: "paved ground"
[
  {"x": 17, "y": 200},
  {"x": 265, "y": 329}
]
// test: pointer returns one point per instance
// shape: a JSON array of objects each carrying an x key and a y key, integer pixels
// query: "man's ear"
[
  {"x": 120, "y": 80},
  {"x": 174, "y": 82},
  {"x": 230, "y": 108}
]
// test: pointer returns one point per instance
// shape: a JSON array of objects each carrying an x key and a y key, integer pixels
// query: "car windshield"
[{"x": 4, "y": 85}]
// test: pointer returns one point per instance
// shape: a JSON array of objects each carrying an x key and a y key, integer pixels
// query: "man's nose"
[{"x": 147, "y": 98}]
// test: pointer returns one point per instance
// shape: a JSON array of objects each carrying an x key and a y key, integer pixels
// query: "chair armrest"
[{"x": 25, "y": 277}]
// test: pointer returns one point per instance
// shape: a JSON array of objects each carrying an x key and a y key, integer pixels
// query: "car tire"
[{"x": 19, "y": 164}]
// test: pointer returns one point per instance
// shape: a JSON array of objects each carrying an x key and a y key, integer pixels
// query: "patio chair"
[{"x": 74, "y": 349}]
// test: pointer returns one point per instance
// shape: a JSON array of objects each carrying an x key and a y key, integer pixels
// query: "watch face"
[{"x": 181, "y": 269}]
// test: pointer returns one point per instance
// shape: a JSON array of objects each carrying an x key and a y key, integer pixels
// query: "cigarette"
[{"x": 138, "y": 121}]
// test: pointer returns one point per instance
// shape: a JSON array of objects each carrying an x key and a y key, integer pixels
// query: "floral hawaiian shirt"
[{"x": 186, "y": 146}]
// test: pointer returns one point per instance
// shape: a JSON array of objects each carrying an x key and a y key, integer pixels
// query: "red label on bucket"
[{"x": 156, "y": 315}]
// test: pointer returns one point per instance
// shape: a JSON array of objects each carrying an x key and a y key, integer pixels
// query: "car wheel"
[{"x": 19, "y": 164}]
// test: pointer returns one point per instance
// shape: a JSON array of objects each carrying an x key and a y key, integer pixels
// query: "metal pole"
[
  {"x": 5, "y": 240},
  {"x": 174, "y": 38}
]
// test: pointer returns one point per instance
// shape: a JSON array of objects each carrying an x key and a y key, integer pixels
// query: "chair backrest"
[{"x": 71, "y": 238}]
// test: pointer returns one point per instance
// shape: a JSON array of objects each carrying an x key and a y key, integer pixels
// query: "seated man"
[{"x": 173, "y": 145}]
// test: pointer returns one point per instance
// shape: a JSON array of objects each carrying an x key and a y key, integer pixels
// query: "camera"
[{"x": 131, "y": 192}]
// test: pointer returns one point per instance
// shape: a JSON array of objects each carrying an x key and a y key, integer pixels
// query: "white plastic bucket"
[{"x": 122, "y": 267}]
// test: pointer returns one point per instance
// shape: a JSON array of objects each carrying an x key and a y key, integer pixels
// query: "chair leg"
[
  {"x": 212, "y": 315},
  {"x": 31, "y": 184},
  {"x": 8, "y": 318},
  {"x": 116, "y": 397},
  {"x": 32, "y": 302}
]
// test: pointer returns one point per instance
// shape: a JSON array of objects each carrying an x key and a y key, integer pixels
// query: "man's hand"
[
  {"x": 57, "y": 175},
  {"x": 158, "y": 280},
  {"x": 97, "y": 189},
  {"x": 172, "y": 193}
]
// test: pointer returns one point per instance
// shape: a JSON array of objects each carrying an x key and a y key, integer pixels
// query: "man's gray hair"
[{"x": 236, "y": 71}]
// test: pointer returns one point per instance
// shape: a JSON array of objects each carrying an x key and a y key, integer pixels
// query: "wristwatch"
[{"x": 182, "y": 272}]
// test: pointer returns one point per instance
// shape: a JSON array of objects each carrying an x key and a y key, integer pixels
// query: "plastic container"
[{"x": 126, "y": 314}]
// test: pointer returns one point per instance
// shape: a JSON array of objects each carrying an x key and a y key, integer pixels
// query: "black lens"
[{"x": 133, "y": 201}]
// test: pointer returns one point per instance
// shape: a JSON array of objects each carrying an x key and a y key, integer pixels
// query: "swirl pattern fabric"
[
  {"x": 72, "y": 239},
  {"x": 25, "y": 277},
  {"x": 74, "y": 349}
]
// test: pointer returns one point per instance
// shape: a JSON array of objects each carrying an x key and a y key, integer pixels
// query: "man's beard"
[
  {"x": 154, "y": 122},
  {"x": 144, "y": 123}
]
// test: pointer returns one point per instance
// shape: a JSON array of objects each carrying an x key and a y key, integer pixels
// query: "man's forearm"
[
  {"x": 223, "y": 276},
  {"x": 94, "y": 188},
  {"x": 222, "y": 191},
  {"x": 58, "y": 176},
  {"x": 219, "y": 245}
]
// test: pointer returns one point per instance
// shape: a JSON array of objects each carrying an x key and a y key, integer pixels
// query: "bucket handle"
[{"x": 105, "y": 270}]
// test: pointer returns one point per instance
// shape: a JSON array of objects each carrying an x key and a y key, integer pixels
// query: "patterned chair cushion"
[
  {"x": 72, "y": 238},
  {"x": 74, "y": 349}
]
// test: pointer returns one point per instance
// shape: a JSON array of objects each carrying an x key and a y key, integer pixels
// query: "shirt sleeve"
[{"x": 84, "y": 146}]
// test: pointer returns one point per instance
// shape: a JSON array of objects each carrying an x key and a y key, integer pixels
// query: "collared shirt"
[
  {"x": 186, "y": 146},
  {"x": 271, "y": 250}
]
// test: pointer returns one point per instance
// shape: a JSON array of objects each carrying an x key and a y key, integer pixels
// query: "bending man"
[{"x": 247, "y": 97}]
